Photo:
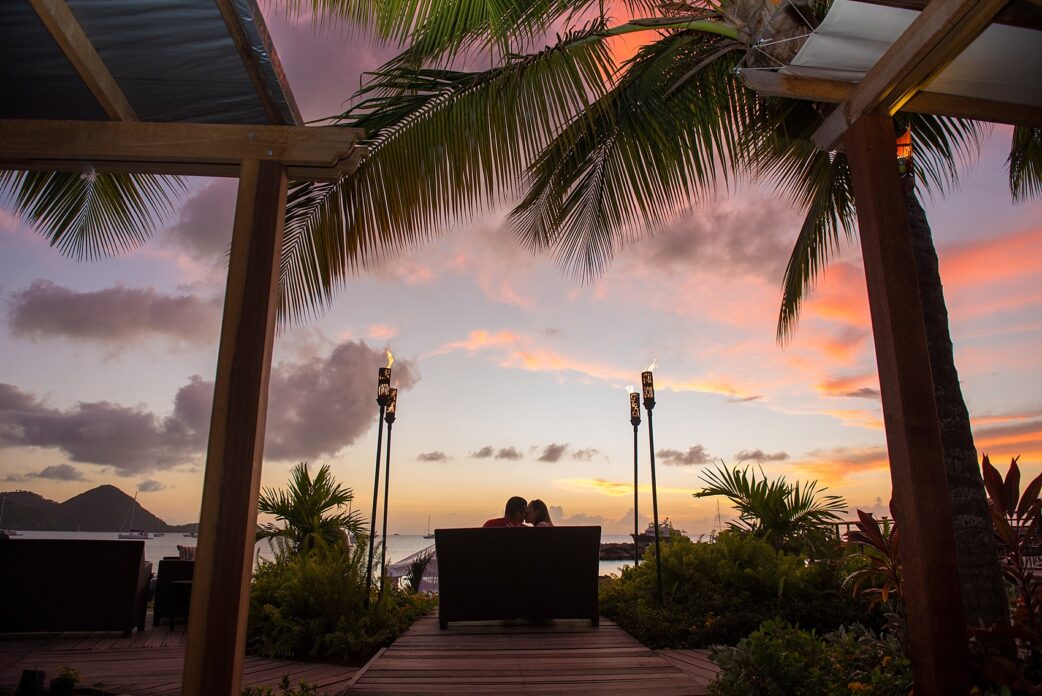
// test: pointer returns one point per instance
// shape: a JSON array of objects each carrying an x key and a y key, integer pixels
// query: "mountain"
[
  {"x": 27, "y": 510},
  {"x": 107, "y": 509},
  {"x": 102, "y": 509}
]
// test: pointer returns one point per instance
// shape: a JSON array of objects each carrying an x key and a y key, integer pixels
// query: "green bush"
[
  {"x": 310, "y": 606},
  {"x": 781, "y": 660},
  {"x": 720, "y": 592}
]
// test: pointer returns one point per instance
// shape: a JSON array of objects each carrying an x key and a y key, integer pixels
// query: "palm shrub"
[
  {"x": 310, "y": 510},
  {"x": 720, "y": 592},
  {"x": 787, "y": 516}
]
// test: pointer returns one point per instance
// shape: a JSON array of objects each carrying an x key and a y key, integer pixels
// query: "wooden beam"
[
  {"x": 936, "y": 627},
  {"x": 774, "y": 84},
  {"x": 202, "y": 149},
  {"x": 930, "y": 43},
  {"x": 1018, "y": 13},
  {"x": 72, "y": 40},
  {"x": 251, "y": 61},
  {"x": 228, "y": 519}
]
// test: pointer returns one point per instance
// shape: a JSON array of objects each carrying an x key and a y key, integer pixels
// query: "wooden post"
[
  {"x": 936, "y": 627},
  {"x": 228, "y": 520}
]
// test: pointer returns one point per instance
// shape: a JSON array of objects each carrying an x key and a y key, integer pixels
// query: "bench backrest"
[
  {"x": 72, "y": 584},
  {"x": 510, "y": 573}
]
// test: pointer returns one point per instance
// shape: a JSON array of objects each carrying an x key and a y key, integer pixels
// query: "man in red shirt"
[{"x": 513, "y": 515}]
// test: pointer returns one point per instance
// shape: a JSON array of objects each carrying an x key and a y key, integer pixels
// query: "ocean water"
[{"x": 398, "y": 546}]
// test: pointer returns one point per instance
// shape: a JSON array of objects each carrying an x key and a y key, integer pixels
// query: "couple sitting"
[{"x": 518, "y": 512}]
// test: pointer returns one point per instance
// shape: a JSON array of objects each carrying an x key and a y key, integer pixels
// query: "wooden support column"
[
  {"x": 228, "y": 520},
  {"x": 936, "y": 627}
]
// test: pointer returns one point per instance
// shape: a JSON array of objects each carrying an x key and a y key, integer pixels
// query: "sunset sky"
[{"x": 513, "y": 378}]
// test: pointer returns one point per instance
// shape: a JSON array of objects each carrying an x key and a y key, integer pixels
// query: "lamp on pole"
[
  {"x": 383, "y": 397},
  {"x": 389, "y": 417},
  {"x": 648, "y": 389},
  {"x": 635, "y": 422}
]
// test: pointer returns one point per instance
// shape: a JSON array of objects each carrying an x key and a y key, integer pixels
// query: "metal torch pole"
[
  {"x": 654, "y": 511},
  {"x": 636, "y": 499},
  {"x": 372, "y": 517},
  {"x": 387, "y": 486}
]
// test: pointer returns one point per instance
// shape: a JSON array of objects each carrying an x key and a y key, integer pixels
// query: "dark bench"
[
  {"x": 517, "y": 573},
  {"x": 73, "y": 585}
]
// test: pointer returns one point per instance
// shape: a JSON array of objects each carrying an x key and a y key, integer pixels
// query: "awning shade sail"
[
  {"x": 1003, "y": 64},
  {"x": 174, "y": 60}
]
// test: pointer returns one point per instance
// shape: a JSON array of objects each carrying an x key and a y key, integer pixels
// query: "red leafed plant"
[
  {"x": 1017, "y": 518},
  {"x": 881, "y": 579}
]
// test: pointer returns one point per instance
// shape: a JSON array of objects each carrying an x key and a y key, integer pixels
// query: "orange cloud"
[
  {"x": 382, "y": 332},
  {"x": 863, "y": 385},
  {"x": 838, "y": 463},
  {"x": 992, "y": 260},
  {"x": 856, "y": 417},
  {"x": 614, "y": 489},
  {"x": 841, "y": 295}
]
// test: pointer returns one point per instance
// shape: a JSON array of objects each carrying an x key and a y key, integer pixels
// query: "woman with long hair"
[{"x": 537, "y": 514}]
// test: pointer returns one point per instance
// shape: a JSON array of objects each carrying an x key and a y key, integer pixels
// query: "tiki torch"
[
  {"x": 383, "y": 397},
  {"x": 392, "y": 409},
  {"x": 648, "y": 388},
  {"x": 635, "y": 422}
]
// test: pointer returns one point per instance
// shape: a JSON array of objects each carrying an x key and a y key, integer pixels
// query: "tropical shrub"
[
  {"x": 311, "y": 606},
  {"x": 720, "y": 592},
  {"x": 788, "y": 516},
  {"x": 779, "y": 659},
  {"x": 879, "y": 577}
]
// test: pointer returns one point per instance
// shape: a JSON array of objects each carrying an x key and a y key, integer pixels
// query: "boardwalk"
[
  {"x": 562, "y": 658},
  {"x": 146, "y": 664}
]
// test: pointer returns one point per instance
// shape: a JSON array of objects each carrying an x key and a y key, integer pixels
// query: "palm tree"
[
  {"x": 776, "y": 511},
  {"x": 306, "y": 511}
]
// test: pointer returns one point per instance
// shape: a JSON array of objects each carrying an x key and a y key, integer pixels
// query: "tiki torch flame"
[
  {"x": 390, "y": 358},
  {"x": 651, "y": 367},
  {"x": 629, "y": 389}
]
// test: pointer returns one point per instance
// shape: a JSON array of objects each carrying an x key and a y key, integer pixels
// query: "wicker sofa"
[
  {"x": 73, "y": 585},
  {"x": 517, "y": 573}
]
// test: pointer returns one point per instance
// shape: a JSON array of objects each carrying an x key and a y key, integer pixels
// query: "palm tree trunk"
[{"x": 983, "y": 591}]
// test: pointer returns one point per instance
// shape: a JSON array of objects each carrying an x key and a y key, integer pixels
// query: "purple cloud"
[
  {"x": 694, "y": 456},
  {"x": 113, "y": 316}
]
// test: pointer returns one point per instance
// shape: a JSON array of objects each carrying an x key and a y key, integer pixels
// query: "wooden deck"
[
  {"x": 563, "y": 657},
  {"x": 146, "y": 664},
  {"x": 494, "y": 659}
]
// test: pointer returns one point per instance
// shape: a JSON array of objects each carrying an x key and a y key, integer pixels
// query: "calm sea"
[{"x": 398, "y": 546}]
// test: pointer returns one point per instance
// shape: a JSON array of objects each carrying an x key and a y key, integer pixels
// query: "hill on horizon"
[{"x": 105, "y": 508}]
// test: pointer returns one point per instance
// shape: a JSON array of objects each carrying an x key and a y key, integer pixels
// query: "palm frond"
[
  {"x": 90, "y": 216},
  {"x": 658, "y": 140},
  {"x": 1025, "y": 163},
  {"x": 779, "y": 148},
  {"x": 443, "y": 144}
]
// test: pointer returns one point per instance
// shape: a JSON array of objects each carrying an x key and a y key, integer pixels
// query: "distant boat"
[
  {"x": 427, "y": 534},
  {"x": 8, "y": 532},
  {"x": 192, "y": 535},
  {"x": 133, "y": 533},
  {"x": 666, "y": 531}
]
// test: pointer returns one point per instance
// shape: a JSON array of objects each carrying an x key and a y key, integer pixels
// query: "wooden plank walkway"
[
  {"x": 146, "y": 664},
  {"x": 563, "y": 657}
]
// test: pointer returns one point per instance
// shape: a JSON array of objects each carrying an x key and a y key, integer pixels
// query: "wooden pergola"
[
  {"x": 79, "y": 68},
  {"x": 861, "y": 124},
  {"x": 265, "y": 153}
]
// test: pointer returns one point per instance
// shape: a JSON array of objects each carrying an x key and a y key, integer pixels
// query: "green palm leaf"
[
  {"x": 779, "y": 149},
  {"x": 1025, "y": 163},
  {"x": 640, "y": 154},
  {"x": 90, "y": 216},
  {"x": 443, "y": 144},
  {"x": 309, "y": 510}
]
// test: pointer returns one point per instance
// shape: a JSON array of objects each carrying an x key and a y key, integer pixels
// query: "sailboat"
[
  {"x": 428, "y": 534},
  {"x": 133, "y": 533},
  {"x": 8, "y": 532}
]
